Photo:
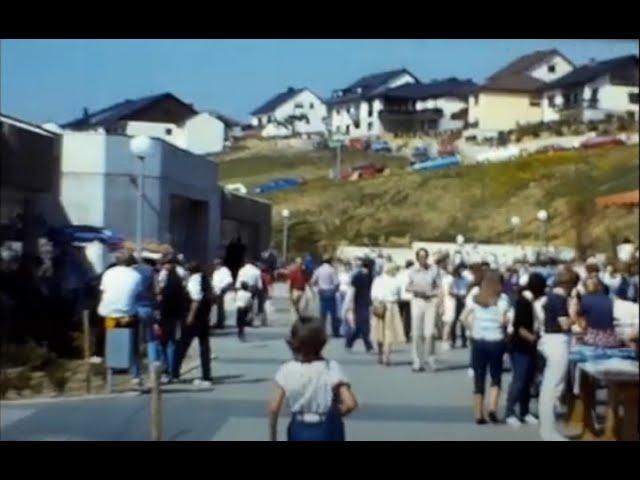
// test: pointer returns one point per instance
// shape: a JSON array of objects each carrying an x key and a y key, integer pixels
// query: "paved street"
[{"x": 395, "y": 404}]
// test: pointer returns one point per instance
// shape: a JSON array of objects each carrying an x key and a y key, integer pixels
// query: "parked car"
[
  {"x": 420, "y": 153},
  {"x": 436, "y": 163},
  {"x": 501, "y": 154},
  {"x": 366, "y": 170},
  {"x": 278, "y": 184},
  {"x": 380, "y": 146},
  {"x": 596, "y": 142},
  {"x": 360, "y": 144}
]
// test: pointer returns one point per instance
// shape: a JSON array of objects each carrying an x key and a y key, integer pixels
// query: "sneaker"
[
  {"x": 531, "y": 420},
  {"x": 513, "y": 421},
  {"x": 417, "y": 370},
  {"x": 470, "y": 372},
  {"x": 493, "y": 418},
  {"x": 164, "y": 379},
  {"x": 432, "y": 364},
  {"x": 205, "y": 384},
  {"x": 197, "y": 382}
]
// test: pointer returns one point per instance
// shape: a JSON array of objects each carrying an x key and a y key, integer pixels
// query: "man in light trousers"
[{"x": 424, "y": 283}]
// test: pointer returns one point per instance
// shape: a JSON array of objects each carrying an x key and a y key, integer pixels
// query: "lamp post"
[
  {"x": 285, "y": 216},
  {"x": 543, "y": 218},
  {"x": 141, "y": 148},
  {"x": 515, "y": 225}
]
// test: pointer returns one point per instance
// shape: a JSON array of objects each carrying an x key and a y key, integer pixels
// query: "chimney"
[
  {"x": 290, "y": 89},
  {"x": 85, "y": 112}
]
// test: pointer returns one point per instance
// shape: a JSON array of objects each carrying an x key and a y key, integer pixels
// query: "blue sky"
[{"x": 52, "y": 80}]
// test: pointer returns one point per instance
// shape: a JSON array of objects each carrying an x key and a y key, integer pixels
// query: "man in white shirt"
[
  {"x": 221, "y": 283},
  {"x": 250, "y": 274},
  {"x": 626, "y": 250},
  {"x": 119, "y": 288},
  {"x": 425, "y": 285}
]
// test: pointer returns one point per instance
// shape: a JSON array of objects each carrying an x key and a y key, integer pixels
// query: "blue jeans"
[
  {"x": 523, "y": 365},
  {"x": 328, "y": 305},
  {"x": 146, "y": 317},
  {"x": 330, "y": 430},
  {"x": 363, "y": 327},
  {"x": 168, "y": 350},
  {"x": 485, "y": 354}
]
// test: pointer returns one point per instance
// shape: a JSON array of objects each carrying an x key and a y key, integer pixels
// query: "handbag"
[{"x": 379, "y": 310}]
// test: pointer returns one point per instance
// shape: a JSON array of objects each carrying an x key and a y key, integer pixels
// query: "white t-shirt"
[
  {"x": 309, "y": 386},
  {"x": 243, "y": 298},
  {"x": 194, "y": 287},
  {"x": 250, "y": 274},
  {"x": 119, "y": 286},
  {"x": 625, "y": 252},
  {"x": 221, "y": 278}
]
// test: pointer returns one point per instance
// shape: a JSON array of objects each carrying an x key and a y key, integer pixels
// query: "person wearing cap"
[
  {"x": 555, "y": 314},
  {"x": 425, "y": 285},
  {"x": 387, "y": 324},
  {"x": 221, "y": 283}
]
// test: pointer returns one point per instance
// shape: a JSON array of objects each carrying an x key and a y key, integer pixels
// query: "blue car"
[
  {"x": 436, "y": 163},
  {"x": 278, "y": 184},
  {"x": 380, "y": 146}
]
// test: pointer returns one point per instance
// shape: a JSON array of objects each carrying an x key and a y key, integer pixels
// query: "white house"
[
  {"x": 512, "y": 95},
  {"x": 162, "y": 116},
  {"x": 440, "y": 105},
  {"x": 292, "y": 112},
  {"x": 354, "y": 110},
  {"x": 593, "y": 91}
]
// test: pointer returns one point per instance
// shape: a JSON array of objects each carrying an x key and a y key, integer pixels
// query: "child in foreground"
[{"x": 316, "y": 389}]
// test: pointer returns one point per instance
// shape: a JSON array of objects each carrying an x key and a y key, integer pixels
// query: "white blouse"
[{"x": 385, "y": 288}]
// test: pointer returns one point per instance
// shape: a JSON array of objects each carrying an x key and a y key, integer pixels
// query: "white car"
[
  {"x": 501, "y": 154},
  {"x": 236, "y": 188}
]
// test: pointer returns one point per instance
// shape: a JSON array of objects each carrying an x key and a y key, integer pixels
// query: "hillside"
[{"x": 476, "y": 201}]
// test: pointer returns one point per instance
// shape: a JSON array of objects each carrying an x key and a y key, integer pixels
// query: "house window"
[
  {"x": 633, "y": 98},
  {"x": 310, "y": 105},
  {"x": 168, "y": 131},
  {"x": 593, "y": 101},
  {"x": 476, "y": 98},
  {"x": 270, "y": 119},
  {"x": 552, "y": 100},
  {"x": 370, "y": 127},
  {"x": 338, "y": 129},
  {"x": 338, "y": 111},
  {"x": 348, "y": 129},
  {"x": 308, "y": 121},
  {"x": 370, "y": 110},
  {"x": 534, "y": 101},
  {"x": 298, "y": 105},
  {"x": 551, "y": 68}
]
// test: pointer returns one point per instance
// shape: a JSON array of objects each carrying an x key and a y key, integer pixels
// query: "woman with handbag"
[{"x": 387, "y": 325}]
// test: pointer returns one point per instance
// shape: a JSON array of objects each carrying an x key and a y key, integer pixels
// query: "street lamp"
[
  {"x": 515, "y": 224},
  {"x": 543, "y": 218},
  {"x": 141, "y": 147},
  {"x": 285, "y": 216}
]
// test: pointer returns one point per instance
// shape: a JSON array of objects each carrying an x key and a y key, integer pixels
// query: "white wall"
[
  {"x": 612, "y": 99},
  {"x": 311, "y": 105},
  {"x": 204, "y": 134},
  {"x": 541, "y": 71},
  {"x": 449, "y": 106},
  {"x": 158, "y": 130}
]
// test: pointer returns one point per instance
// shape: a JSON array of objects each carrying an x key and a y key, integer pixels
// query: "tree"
[{"x": 289, "y": 122}]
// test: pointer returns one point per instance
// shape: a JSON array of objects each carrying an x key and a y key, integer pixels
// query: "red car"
[
  {"x": 357, "y": 144},
  {"x": 366, "y": 170},
  {"x": 596, "y": 142}
]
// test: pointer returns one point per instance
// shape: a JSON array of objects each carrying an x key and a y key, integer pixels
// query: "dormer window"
[
  {"x": 359, "y": 90},
  {"x": 551, "y": 68}
]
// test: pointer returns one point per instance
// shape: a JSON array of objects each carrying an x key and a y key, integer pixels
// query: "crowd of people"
[
  {"x": 168, "y": 305},
  {"x": 530, "y": 314}
]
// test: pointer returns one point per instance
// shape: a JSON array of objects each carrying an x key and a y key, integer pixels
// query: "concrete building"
[
  {"x": 354, "y": 110},
  {"x": 246, "y": 218},
  {"x": 292, "y": 112},
  {"x": 29, "y": 183},
  {"x": 511, "y": 96},
  {"x": 162, "y": 116},
  {"x": 593, "y": 91},
  {"x": 181, "y": 195}
]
